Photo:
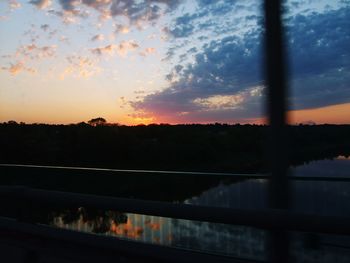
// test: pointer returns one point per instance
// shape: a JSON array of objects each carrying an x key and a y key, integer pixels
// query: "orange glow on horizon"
[{"x": 334, "y": 114}]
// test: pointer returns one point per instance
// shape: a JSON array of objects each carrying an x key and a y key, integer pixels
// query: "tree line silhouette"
[{"x": 194, "y": 147}]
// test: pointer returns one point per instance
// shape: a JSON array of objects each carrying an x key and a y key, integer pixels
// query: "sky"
[{"x": 168, "y": 61}]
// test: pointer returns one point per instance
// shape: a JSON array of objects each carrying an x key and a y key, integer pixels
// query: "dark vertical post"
[{"x": 276, "y": 109}]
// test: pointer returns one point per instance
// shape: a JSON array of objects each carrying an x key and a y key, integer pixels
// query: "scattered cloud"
[
  {"x": 141, "y": 11},
  {"x": 18, "y": 67},
  {"x": 224, "y": 81},
  {"x": 109, "y": 49},
  {"x": 41, "y": 4},
  {"x": 123, "y": 29},
  {"x": 147, "y": 51},
  {"x": 99, "y": 37},
  {"x": 80, "y": 67},
  {"x": 105, "y": 14},
  {"x": 218, "y": 102},
  {"x": 14, "y": 4},
  {"x": 64, "y": 39},
  {"x": 122, "y": 102},
  {"x": 121, "y": 49},
  {"x": 319, "y": 58},
  {"x": 137, "y": 12},
  {"x": 28, "y": 54},
  {"x": 215, "y": 52},
  {"x": 217, "y": 17},
  {"x": 33, "y": 51},
  {"x": 69, "y": 16},
  {"x": 45, "y": 27}
]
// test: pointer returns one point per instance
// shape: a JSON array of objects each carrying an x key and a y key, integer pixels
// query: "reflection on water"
[
  {"x": 238, "y": 241},
  {"x": 325, "y": 198},
  {"x": 341, "y": 157},
  {"x": 322, "y": 197},
  {"x": 248, "y": 194},
  {"x": 339, "y": 166}
]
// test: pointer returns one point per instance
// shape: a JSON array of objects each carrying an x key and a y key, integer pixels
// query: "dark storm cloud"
[{"x": 230, "y": 70}]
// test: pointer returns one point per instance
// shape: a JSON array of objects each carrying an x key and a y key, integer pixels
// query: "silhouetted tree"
[
  {"x": 11, "y": 122},
  {"x": 97, "y": 121}
]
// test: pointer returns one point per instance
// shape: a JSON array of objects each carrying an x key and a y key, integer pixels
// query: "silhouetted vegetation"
[
  {"x": 216, "y": 147},
  {"x": 97, "y": 121}
]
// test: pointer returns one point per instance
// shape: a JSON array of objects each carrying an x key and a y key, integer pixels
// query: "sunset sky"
[{"x": 159, "y": 61}]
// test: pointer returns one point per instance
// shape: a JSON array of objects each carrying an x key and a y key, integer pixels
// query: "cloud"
[
  {"x": 64, "y": 39},
  {"x": 18, "y": 67},
  {"x": 69, "y": 13},
  {"x": 97, "y": 4},
  {"x": 147, "y": 51},
  {"x": 67, "y": 17},
  {"x": 80, "y": 67},
  {"x": 227, "y": 71},
  {"x": 217, "y": 17},
  {"x": 69, "y": 5},
  {"x": 121, "y": 49},
  {"x": 28, "y": 54},
  {"x": 104, "y": 15},
  {"x": 99, "y": 37},
  {"x": 109, "y": 49},
  {"x": 183, "y": 30},
  {"x": 136, "y": 11},
  {"x": 320, "y": 58},
  {"x": 41, "y": 4},
  {"x": 123, "y": 29},
  {"x": 45, "y": 27},
  {"x": 224, "y": 81},
  {"x": 14, "y": 4},
  {"x": 33, "y": 51},
  {"x": 219, "y": 102}
]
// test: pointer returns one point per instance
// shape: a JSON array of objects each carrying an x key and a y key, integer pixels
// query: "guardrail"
[{"x": 159, "y": 172}]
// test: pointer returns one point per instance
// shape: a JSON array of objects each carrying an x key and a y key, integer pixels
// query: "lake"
[{"x": 316, "y": 197}]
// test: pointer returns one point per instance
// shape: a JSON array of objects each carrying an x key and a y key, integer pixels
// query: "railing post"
[{"x": 276, "y": 109}]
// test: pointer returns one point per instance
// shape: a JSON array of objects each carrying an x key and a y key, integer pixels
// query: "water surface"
[{"x": 317, "y": 197}]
